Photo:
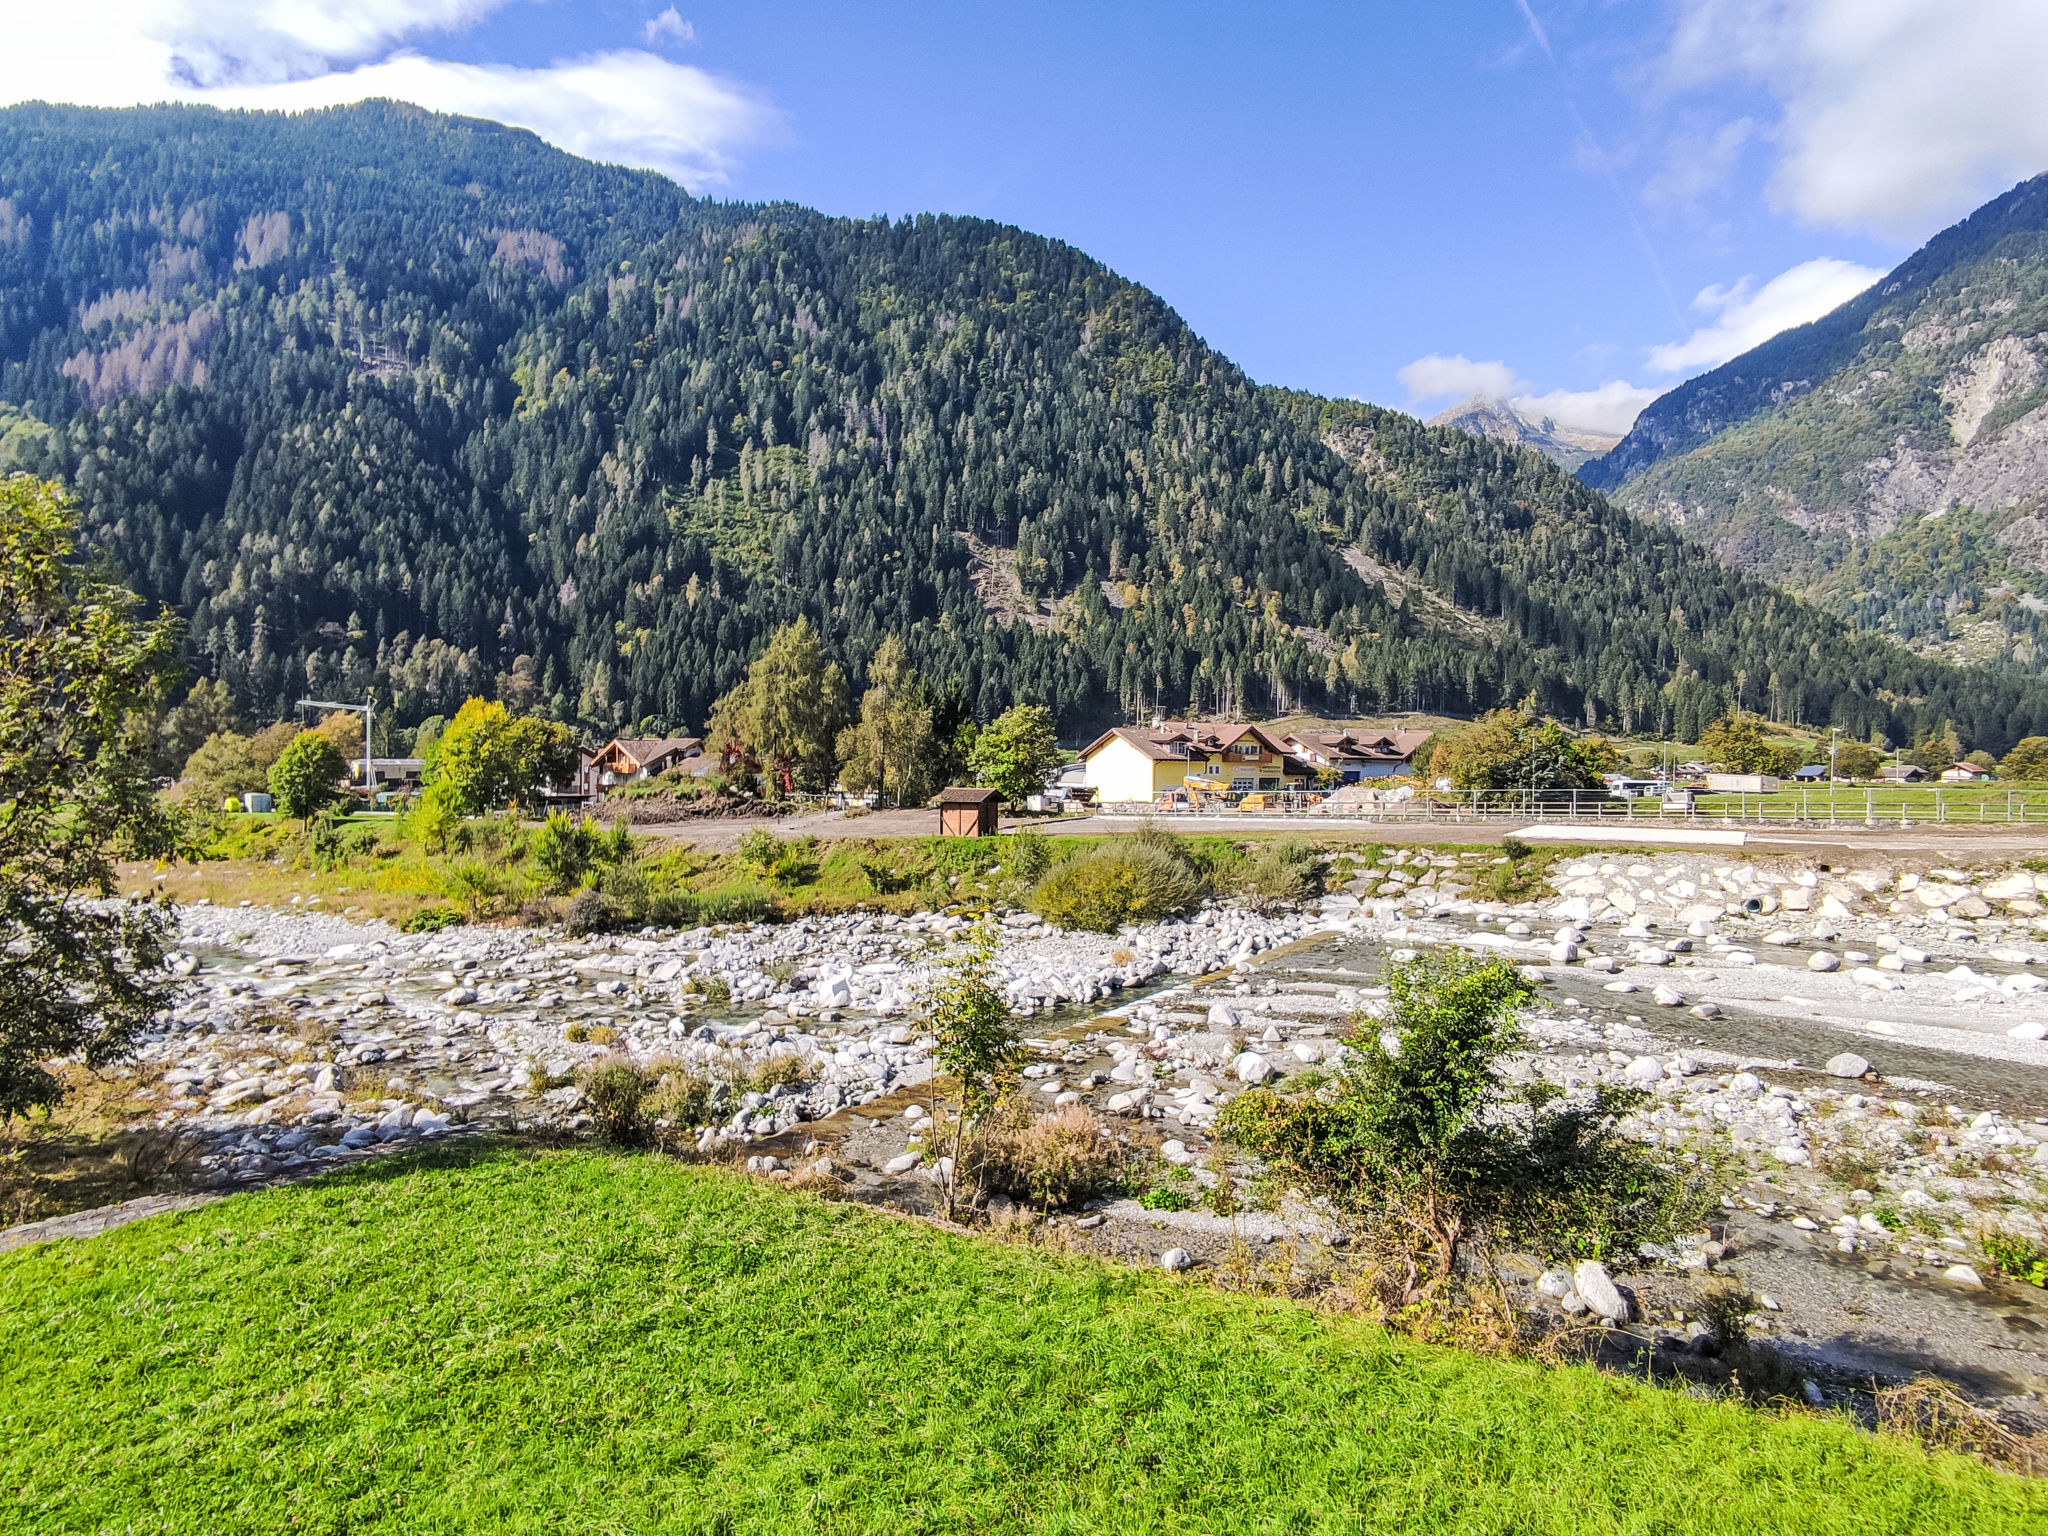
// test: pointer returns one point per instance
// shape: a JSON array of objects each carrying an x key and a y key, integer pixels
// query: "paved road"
[{"x": 1920, "y": 843}]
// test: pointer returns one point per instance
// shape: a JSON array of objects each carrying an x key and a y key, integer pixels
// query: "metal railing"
[{"x": 1808, "y": 806}]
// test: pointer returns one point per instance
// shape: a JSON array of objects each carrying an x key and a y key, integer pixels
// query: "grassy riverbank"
[
  {"x": 493, "y": 869},
  {"x": 581, "y": 1342}
]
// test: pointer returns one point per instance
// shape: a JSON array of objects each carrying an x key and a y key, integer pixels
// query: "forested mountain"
[
  {"x": 1891, "y": 458},
  {"x": 1487, "y": 417},
  {"x": 383, "y": 399}
]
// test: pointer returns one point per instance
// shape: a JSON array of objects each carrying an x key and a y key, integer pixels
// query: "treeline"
[{"x": 386, "y": 401}]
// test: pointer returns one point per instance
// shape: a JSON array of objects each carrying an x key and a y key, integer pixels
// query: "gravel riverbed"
[{"x": 1864, "y": 1053}]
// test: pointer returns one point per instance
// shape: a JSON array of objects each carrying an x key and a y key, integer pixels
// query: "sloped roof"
[
  {"x": 1202, "y": 736},
  {"x": 642, "y": 750},
  {"x": 1381, "y": 746},
  {"x": 968, "y": 795}
]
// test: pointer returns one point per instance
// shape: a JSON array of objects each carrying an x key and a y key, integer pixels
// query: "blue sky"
[{"x": 1404, "y": 202}]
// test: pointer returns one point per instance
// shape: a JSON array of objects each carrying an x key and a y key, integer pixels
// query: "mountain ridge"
[
  {"x": 1487, "y": 416},
  {"x": 1889, "y": 460},
  {"x": 385, "y": 400}
]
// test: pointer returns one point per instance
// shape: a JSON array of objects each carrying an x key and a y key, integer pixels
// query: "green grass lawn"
[{"x": 579, "y": 1342}]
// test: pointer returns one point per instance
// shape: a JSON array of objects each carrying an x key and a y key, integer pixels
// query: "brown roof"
[
  {"x": 1380, "y": 745},
  {"x": 1201, "y": 736},
  {"x": 642, "y": 750},
  {"x": 969, "y": 796}
]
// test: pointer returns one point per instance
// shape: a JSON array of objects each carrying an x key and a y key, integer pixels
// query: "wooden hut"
[{"x": 968, "y": 812}]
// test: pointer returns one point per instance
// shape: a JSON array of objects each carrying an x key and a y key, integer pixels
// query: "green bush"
[
  {"x": 1283, "y": 874},
  {"x": 431, "y": 919},
  {"x": 628, "y": 896},
  {"x": 563, "y": 850},
  {"x": 2017, "y": 1257},
  {"x": 1128, "y": 882},
  {"x": 1430, "y": 1132},
  {"x": 1027, "y": 855},
  {"x": 965, "y": 855},
  {"x": 615, "y": 1090},
  {"x": 759, "y": 849},
  {"x": 1171, "y": 1196}
]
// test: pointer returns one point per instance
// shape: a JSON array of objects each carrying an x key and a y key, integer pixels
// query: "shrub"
[
  {"x": 680, "y": 1098},
  {"x": 795, "y": 862},
  {"x": 431, "y": 919},
  {"x": 964, "y": 855},
  {"x": 1283, "y": 874},
  {"x": 1515, "y": 849},
  {"x": 2016, "y": 1257},
  {"x": 1051, "y": 1160},
  {"x": 1129, "y": 882},
  {"x": 759, "y": 849},
  {"x": 474, "y": 884},
  {"x": 1428, "y": 1137},
  {"x": 562, "y": 850},
  {"x": 1027, "y": 855},
  {"x": 1169, "y": 1195},
  {"x": 615, "y": 1090},
  {"x": 778, "y": 1072},
  {"x": 587, "y": 913}
]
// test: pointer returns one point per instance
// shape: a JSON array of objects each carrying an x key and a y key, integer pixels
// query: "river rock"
[
  {"x": 1848, "y": 1064},
  {"x": 1176, "y": 1259},
  {"x": 1591, "y": 1280},
  {"x": 1824, "y": 960}
]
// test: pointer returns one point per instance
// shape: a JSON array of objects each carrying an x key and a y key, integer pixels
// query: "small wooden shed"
[{"x": 968, "y": 812}]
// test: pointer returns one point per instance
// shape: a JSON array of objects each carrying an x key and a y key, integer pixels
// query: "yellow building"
[{"x": 1140, "y": 763}]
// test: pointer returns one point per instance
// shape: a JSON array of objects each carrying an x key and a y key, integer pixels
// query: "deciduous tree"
[
  {"x": 1017, "y": 752},
  {"x": 79, "y": 672},
  {"x": 489, "y": 757},
  {"x": 307, "y": 775},
  {"x": 891, "y": 748},
  {"x": 2027, "y": 762}
]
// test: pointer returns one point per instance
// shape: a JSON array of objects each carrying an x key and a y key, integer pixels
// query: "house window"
[
  {"x": 1246, "y": 749},
  {"x": 1242, "y": 784}
]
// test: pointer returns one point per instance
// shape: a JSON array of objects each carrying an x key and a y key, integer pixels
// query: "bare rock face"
[
  {"x": 1846, "y": 402},
  {"x": 1483, "y": 417}
]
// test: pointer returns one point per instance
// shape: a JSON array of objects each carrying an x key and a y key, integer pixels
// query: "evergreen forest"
[{"x": 380, "y": 400}]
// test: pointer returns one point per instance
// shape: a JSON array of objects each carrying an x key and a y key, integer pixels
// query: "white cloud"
[
  {"x": 627, "y": 106},
  {"x": 669, "y": 24},
  {"x": 1611, "y": 408},
  {"x": 1745, "y": 315},
  {"x": 1896, "y": 116},
  {"x": 1434, "y": 377}
]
